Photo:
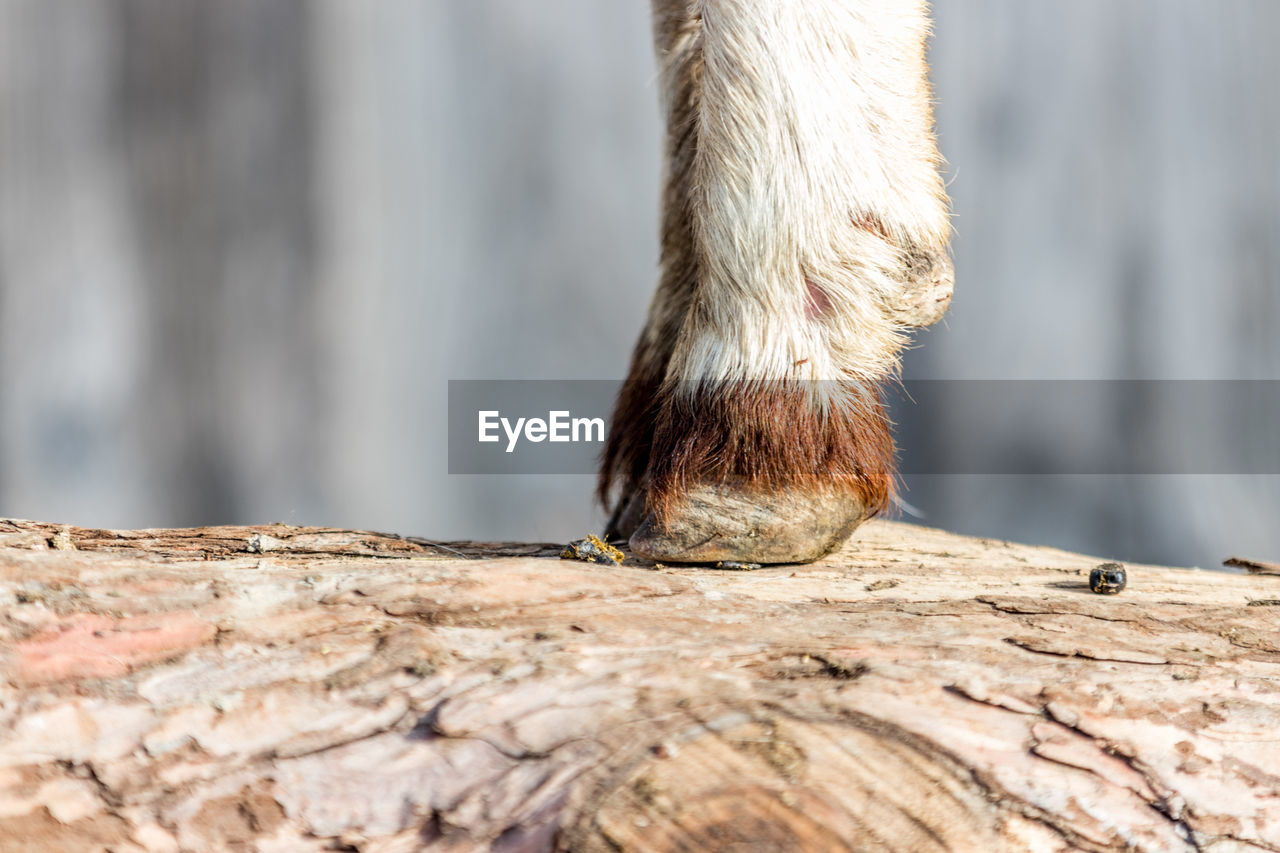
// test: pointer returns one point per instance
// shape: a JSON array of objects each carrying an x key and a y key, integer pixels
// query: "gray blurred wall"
[
  {"x": 244, "y": 245},
  {"x": 1115, "y": 173}
]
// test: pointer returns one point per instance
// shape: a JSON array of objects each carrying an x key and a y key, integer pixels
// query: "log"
[{"x": 280, "y": 688}]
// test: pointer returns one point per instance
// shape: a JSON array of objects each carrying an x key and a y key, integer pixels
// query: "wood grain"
[{"x": 304, "y": 689}]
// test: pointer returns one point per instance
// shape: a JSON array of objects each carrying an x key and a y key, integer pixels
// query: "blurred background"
[{"x": 245, "y": 243}]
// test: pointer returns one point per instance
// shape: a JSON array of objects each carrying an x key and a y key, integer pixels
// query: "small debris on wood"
[
  {"x": 592, "y": 550},
  {"x": 665, "y": 750},
  {"x": 1108, "y": 579},
  {"x": 883, "y": 583},
  {"x": 835, "y": 667},
  {"x": 1256, "y": 566},
  {"x": 261, "y": 543},
  {"x": 62, "y": 541},
  {"x": 737, "y": 566}
]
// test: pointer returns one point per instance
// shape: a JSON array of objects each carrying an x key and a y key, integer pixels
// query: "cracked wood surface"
[{"x": 300, "y": 689}]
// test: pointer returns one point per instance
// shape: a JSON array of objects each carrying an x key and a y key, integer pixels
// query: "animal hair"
[{"x": 802, "y": 206}]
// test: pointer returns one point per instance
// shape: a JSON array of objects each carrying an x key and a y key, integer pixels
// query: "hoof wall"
[{"x": 729, "y": 524}]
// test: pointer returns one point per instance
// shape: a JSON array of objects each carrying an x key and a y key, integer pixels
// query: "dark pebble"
[{"x": 1108, "y": 579}]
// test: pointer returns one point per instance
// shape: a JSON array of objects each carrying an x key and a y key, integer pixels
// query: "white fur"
[{"x": 813, "y": 116}]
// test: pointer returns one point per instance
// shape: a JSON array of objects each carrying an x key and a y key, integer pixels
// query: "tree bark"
[{"x": 299, "y": 689}]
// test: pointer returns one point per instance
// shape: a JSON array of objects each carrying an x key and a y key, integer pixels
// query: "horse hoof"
[{"x": 729, "y": 523}]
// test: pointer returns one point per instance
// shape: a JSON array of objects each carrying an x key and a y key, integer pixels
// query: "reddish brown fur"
[
  {"x": 626, "y": 453},
  {"x": 768, "y": 436}
]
